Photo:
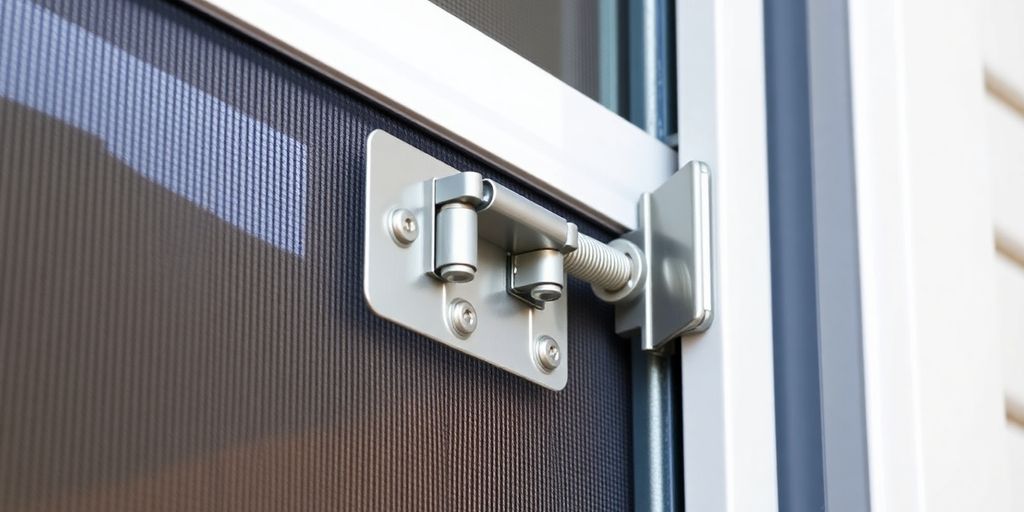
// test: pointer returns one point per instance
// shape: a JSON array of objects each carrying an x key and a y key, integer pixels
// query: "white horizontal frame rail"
[
  {"x": 728, "y": 381},
  {"x": 427, "y": 64}
]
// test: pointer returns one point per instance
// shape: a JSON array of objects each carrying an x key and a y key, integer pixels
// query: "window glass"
[
  {"x": 581, "y": 43},
  {"x": 599, "y": 48}
]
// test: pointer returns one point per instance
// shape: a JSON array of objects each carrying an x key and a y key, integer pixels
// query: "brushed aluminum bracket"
[
  {"x": 479, "y": 317},
  {"x": 471, "y": 264}
]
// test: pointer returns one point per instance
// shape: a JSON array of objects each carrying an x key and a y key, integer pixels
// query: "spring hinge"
[{"x": 474, "y": 265}]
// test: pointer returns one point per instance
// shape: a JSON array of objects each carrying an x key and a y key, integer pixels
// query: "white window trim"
[
  {"x": 416, "y": 58},
  {"x": 423, "y": 62}
]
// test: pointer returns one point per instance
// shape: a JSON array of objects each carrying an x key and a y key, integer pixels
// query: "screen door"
[{"x": 182, "y": 318}]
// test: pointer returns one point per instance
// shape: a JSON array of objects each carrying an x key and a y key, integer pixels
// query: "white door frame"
[
  {"x": 425, "y": 63},
  {"x": 728, "y": 382}
]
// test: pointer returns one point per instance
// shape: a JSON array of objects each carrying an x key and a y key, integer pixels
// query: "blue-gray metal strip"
[{"x": 820, "y": 416}]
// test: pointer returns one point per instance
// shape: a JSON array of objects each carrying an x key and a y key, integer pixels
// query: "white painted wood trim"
[
  {"x": 728, "y": 382},
  {"x": 931, "y": 358},
  {"x": 427, "y": 64}
]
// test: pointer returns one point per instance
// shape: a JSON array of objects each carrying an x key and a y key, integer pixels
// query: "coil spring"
[{"x": 598, "y": 264}]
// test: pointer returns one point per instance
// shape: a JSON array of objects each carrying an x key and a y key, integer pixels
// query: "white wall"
[
  {"x": 933, "y": 360},
  {"x": 1003, "y": 59}
]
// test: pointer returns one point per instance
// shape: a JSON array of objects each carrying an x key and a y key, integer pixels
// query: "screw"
[
  {"x": 403, "y": 227},
  {"x": 547, "y": 353},
  {"x": 462, "y": 318}
]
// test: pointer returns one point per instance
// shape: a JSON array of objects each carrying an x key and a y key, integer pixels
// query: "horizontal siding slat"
[
  {"x": 1010, "y": 302},
  {"x": 1015, "y": 450},
  {"x": 1005, "y": 130},
  {"x": 1003, "y": 40}
]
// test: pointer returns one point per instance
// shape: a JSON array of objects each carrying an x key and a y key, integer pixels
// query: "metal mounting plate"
[
  {"x": 397, "y": 285},
  {"x": 675, "y": 234}
]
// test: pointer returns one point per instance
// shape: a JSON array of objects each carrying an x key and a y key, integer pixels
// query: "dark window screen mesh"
[{"x": 182, "y": 325}]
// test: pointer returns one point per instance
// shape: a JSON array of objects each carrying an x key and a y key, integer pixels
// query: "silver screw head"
[
  {"x": 462, "y": 317},
  {"x": 547, "y": 353},
  {"x": 404, "y": 228}
]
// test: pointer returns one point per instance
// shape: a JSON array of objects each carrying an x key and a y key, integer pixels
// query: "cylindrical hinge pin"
[{"x": 456, "y": 243}]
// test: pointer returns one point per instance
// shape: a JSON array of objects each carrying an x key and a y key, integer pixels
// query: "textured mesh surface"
[{"x": 182, "y": 325}]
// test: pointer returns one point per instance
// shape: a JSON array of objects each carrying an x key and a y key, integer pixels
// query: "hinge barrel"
[{"x": 534, "y": 237}]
